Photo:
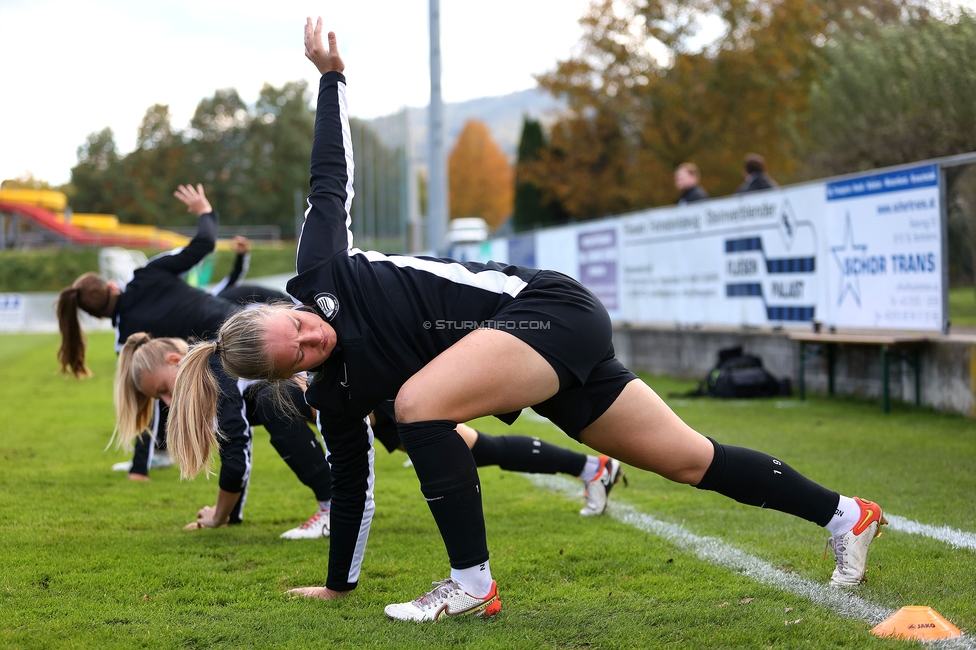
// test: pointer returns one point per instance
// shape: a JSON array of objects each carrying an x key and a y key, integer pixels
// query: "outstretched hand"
[
  {"x": 326, "y": 60},
  {"x": 194, "y": 199},
  {"x": 320, "y": 593}
]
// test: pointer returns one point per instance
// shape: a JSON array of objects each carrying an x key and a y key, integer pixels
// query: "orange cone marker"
[{"x": 917, "y": 623}]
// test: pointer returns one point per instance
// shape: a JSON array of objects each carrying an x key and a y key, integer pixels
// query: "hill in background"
[{"x": 503, "y": 115}]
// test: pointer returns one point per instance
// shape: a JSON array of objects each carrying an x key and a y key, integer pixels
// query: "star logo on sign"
[{"x": 847, "y": 284}]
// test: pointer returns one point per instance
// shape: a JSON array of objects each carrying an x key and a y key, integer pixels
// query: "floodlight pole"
[{"x": 437, "y": 169}]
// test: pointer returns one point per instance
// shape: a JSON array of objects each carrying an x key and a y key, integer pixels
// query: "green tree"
[
  {"x": 26, "y": 182},
  {"x": 532, "y": 210},
  {"x": 279, "y": 145},
  {"x": 218, "y": 155},
  {"x": 96, "y": 181},
  {"x": 154, "y": 169},
  {"x": 249, "y": 159},
  {"x": 908, "y": 93}
]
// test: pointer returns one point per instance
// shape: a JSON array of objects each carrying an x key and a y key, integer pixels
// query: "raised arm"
[
  {"x": 202, "y": 244},
  {"x": 326, "y": 232},
  {"x": 242, "y": 260}
]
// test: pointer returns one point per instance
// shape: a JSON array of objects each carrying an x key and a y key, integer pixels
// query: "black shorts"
[{"x": 564, "y": 322}]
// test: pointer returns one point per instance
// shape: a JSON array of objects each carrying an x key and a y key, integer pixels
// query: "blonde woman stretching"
[
  {"x": 146, "y": 371},
  {"x": 377, "y": 327}
]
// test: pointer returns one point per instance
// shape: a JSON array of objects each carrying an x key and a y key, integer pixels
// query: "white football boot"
[
  {"x": 599, "y": 488},
  {"x": 446, "y": 599},
  {"x": 317, "y": 526},
  {"x": 851, "y": 548}
]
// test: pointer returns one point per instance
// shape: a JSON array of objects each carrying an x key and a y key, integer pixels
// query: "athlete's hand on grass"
[
  {"x": 206, "y": 518},
  {"x": 194, "y": 199},
  {"x": 321, "y": 593},
  {"x": 326, "y": 60}
]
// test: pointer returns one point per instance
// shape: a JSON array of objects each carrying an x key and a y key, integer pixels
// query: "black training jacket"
[{"x": 392, "y": 314}]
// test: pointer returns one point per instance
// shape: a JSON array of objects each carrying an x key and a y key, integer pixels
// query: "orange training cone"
[{"x": 917, "y": 623}]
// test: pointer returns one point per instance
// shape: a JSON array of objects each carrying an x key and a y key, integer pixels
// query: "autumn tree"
[
  {"x": 97, "y": 180},
  {"x": 480, "y": 177},
  {"x": 645, "y": 94}
]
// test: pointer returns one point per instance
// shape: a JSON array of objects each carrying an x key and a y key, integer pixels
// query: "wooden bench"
[{"x": 893, "y": 346}]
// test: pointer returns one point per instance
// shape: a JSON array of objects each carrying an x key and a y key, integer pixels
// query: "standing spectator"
[
  {"x": 755, "y": 173},
  {"x": 686, "y": 180}
]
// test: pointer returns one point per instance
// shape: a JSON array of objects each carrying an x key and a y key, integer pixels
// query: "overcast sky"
[{"x": 72, "y": 67}]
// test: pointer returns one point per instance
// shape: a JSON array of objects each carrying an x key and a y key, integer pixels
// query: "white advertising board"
[
  {"x": 885, "y": 251},
  {"x": 861, "y": 252},
  {"x": 13, "y": 312},
  {"x": 744, "y": 260}
]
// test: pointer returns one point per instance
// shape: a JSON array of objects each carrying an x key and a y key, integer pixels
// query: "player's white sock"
[
  {"x": 845, "y": 517},
  {"x": 475, "y": 580},
  {"x": 325, "y": 505},
  {"x": 591, "y": 469}
]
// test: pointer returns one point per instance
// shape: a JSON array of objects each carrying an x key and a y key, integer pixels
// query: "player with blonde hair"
[
  {"x": 450, "y": 342},
  {"x": 146, "y": 373}
]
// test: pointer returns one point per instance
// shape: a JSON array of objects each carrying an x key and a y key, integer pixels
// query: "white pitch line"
[
  {"x": 715, "y": 551},
  {"x": 951, "y": 536}
]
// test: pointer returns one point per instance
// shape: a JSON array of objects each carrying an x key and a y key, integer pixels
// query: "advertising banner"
[
  {"x": 13, "y": 312},
  {"x": 862, "y": 252},
  {"x": 745, "y": 260},
  {"x": 885, "y": 251}
]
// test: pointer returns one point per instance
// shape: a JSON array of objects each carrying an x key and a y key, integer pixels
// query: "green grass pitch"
[{"x": 90, "y": 559}]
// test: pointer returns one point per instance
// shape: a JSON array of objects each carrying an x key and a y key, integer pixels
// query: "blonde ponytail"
[
  {"x": 192, "y": 433},
  {"x": 132, "y": 408},
  {"x": 141, "y": 354}
]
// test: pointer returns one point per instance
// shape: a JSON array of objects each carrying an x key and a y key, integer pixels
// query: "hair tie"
[{"x": 217, "y": 349}]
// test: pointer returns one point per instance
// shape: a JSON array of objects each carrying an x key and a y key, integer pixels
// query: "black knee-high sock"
[
  {"x": 525, "y": 454},
  {"x": 757, "y": 479},
  {"x": 292, "y": 438},
  {"x": 449, "y": 480}
]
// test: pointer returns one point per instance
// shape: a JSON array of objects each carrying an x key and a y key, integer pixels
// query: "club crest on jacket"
[{"x": 328, "y": 305}]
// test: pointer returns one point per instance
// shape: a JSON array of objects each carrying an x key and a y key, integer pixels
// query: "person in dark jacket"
[
  {"x": 687, "y": 180},
  {"x": 754, "y": 169}
]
